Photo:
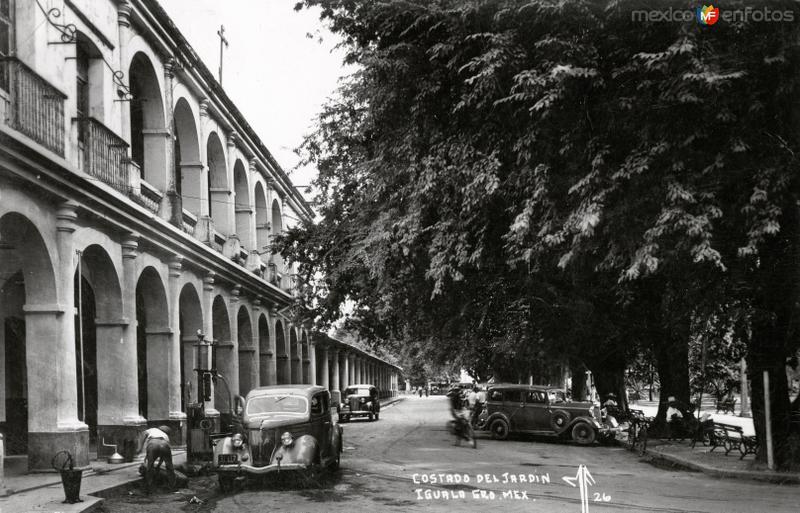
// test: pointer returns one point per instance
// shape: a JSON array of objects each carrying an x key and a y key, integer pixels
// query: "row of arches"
[
  {"x": 123, "y": 358},
  {"x": 209, "y": 180}
]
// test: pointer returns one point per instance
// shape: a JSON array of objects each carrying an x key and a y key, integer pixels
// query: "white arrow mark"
[{"x": 582, "y": 479}]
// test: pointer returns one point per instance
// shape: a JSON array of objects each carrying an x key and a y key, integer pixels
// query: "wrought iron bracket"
[{"x": 69, "y": 35}]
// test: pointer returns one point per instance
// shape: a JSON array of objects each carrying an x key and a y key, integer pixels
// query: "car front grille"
[
  {"x": 262, "y": 443},
  {"x": 354, "y": 404}
]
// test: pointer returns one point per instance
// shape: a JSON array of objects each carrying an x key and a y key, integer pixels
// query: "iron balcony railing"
[
  {"x": 35, "y": 108},
  {"x": 105, "y": 154}
]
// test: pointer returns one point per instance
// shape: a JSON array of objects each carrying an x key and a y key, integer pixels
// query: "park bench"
[
  {"x": 726, "y": 405},
  {"x": 729, "y": 438}
]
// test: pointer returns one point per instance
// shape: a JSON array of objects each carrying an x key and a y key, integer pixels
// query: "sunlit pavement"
[{"x": 407, "y": 461}]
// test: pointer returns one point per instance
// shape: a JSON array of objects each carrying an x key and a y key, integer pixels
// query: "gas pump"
[
  {"x": 198, "y": 442},
  {"x": 201, "y": 429}
]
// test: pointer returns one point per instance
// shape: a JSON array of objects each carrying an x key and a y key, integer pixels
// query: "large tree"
[{"x": 512, "y": 180}]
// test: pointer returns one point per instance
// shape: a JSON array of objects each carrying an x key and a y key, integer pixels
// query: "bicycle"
[
  {"x": 637, "y": 433},
  {"x": 462, "y": 430}
]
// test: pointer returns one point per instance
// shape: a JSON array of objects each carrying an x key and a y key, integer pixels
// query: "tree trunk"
[
  {"x": 578, "y": 390},
  {"x": 774, "y": 339},
  {"x": 785, "y": 433},
  {"x": 672, "y": 354},
  {"x": 610, "y": 378}
]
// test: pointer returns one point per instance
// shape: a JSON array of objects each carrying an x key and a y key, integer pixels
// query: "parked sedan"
[
  {"x": 360, "y": 401},
  {"x": 542, "y": 411},
  {"x": 287, "y": 428}
]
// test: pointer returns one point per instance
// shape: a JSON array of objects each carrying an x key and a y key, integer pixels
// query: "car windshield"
[
  {"x": 271, "y": 404},
  {"x": 357, "y": 391}
]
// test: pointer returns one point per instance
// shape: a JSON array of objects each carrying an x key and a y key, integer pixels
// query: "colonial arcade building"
[{"x": 136, "y": 210}]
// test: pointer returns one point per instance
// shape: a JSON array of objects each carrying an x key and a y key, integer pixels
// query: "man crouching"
[{"x": 155, "y": 444}]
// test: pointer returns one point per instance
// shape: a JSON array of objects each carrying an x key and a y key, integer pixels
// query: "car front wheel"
[
  {"x": 499, "y": 429},
  {"x": 583, "y": 433},
  {"x": 225, "y": 483}
]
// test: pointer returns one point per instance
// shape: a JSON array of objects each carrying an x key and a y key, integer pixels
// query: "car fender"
[
  {"x": 304, "y": 450},
  {"x": 588, "y": 420}
]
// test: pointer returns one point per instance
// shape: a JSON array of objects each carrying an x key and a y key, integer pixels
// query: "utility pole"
[{"x": 222, "y": 41}]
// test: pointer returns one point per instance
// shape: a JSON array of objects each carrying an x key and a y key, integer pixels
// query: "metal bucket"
[{"x": 70, "y": 478}]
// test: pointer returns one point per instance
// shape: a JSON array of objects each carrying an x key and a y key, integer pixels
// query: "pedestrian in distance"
[{"x": 155, "y": 444}]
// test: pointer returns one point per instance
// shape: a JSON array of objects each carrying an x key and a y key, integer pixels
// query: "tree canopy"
[{"x": 506, "y": 185}]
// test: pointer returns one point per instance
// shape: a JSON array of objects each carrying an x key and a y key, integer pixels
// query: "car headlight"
[
  {"x": 238, "y": 441},
  {"x": 286, "y": 439},
  {"x": 369, "y": 404}
]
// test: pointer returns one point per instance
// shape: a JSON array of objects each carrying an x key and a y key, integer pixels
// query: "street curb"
[
  {"x": 767, "y": 476},
  {"x": 392, "y": 402}
]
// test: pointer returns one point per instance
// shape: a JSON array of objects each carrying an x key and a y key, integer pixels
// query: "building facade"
[{"x": 137, "y": 206}]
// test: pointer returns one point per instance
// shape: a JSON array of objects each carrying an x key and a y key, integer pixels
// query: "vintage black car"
[
  {"x": 286, "y": 428},
  {"x": 540, "y": 410},
  {"x": 360, "y": 401}
]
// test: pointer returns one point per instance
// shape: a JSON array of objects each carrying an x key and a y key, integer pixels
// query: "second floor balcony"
[
  {"x": 32, "y": 106},
  {"x": 103, "y": 154}
]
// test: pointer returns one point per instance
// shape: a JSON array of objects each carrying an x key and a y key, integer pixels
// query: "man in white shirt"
[
  {"x": 155, "y": 443},
  {"x": 472, "y": 398}
]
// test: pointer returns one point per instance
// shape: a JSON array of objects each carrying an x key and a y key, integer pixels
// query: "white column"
[
  {"x": 312, "y": 355},
  {"x": 174, "y": 377},
  {"x": 325, "y": 383}
]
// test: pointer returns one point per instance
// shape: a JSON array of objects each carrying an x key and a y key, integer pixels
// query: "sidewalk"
[
  {"x": 715, "y": 463},
  {"x": 44, "y": 493}
]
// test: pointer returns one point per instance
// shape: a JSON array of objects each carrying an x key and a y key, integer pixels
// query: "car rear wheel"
[
  {"x": 499, "y": 429},
  {"x": 583, "y": 433},
  {"x": 559, "y": 420}
]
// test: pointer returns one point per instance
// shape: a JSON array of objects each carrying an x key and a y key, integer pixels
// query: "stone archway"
[
  {"x": 153, "y": 336},
  {"x": 148, "y": 130},
  {"x": 31, "y": 340},
  {"x": 266, "y": 354},
  {"x": 244, "y": 210},
  {"x": 191, "y": 322},
  {"x": 219, "y": 191},
  {"x": 248, "y": 364},
  {"x": 282, "y": 355},
  {"x": 99, "y": 327},
  {"x": 224, "y": 354},
  {"x": 188, "y": 166},
  {"x": 276, "y": 228},
  {"x": 262, "y": 219}
]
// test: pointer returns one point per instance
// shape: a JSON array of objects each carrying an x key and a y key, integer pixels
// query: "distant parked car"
[
  {"x": 286, "y": 428},
  {"x": 542, "y": 411},
  {"x": 360, "y": 401}
]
